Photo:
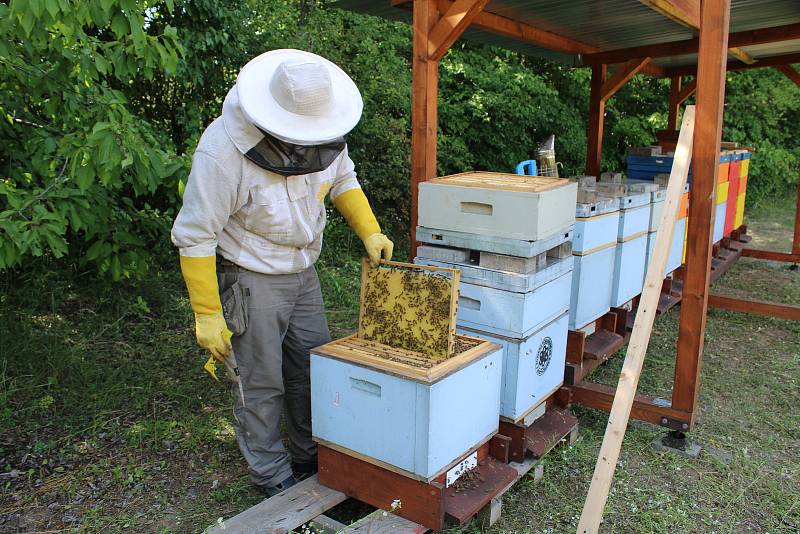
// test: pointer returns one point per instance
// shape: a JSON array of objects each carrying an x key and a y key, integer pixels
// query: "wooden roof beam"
[
  {"x": 772, "y": 61},
  {"x": 488, "y": 21},
  {"x": 741, "y": 55},
  {"x": 689, "y": 46},
  {"x": 685, "y": 12},
  {"x": 621, "y": 76},
  {"x": 790, "y": 73},
  {"x": 455, "y": 20}
]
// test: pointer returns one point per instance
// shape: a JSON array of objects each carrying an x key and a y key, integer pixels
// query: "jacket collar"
[{"x": 242, "y": 133}]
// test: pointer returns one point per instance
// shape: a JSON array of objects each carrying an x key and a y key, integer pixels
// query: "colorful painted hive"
[
  {"x": 409, "y": 307},
  {"x": 500, "y": 205},
  {"x": 401, "y": 410},
  {"x": 533, "y": 367}
]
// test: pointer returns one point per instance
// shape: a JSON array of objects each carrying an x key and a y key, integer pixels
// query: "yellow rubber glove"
[
  {"x": 354, "y": 207},
  {"x": 378, "y": 246},
  {"x": 212, "y": 333}
]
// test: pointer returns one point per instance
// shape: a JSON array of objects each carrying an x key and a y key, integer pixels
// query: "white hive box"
[
  {"x": 512, "y": 314},
  {"x": 630, "y": 260},
  {"x": 418, "y": 421},
  {"x": 497, "y": 204},
  {"x": 533, "y": 367},
  {"x": 592, "y": 280}
]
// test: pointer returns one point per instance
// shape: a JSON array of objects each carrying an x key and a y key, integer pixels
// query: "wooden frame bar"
[
  {"x": 771, "y": 61},
  {"x": 621, "y": 76},
  {"x": 690, "y": 46},
  {"x": 686, "y": 12},
  {"x": 452, "y": 24},
  {"x": 645, "y": 408},
  {"x": 757, "y": 307},
  {"x": 712, "y": 60}
]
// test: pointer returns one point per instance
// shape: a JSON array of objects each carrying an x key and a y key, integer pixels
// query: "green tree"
[{"x": 79, "y": 168}]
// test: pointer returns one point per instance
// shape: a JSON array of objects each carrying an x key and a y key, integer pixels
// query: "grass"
[{"x": 107, "y": 421}]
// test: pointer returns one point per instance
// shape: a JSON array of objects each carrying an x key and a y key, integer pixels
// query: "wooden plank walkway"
[{"x": 285, "y": 511}]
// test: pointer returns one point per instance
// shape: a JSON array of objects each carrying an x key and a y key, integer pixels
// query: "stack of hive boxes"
[
  {"x": 657, "y": 195},
  {"x": 594, "y": 249},
  {"x": 724, "y": 187},
  {"x": 510, "y": 236},
  {"x": 744, "y": 171},
  {"x": 630, "y": 254},
  {"x": 677, "y": 254}
]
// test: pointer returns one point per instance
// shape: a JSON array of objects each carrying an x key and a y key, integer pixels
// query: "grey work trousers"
[{"x": 284, "y": 317}]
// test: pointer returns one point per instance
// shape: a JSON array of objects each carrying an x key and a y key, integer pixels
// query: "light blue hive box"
[
  {"x": 593, "y": 246},
  {"x": 675, "y": 258},
  {"x": 533, "y": 367},
  {"x": 511, "y": 314},
  {"x": 720, "y": 210},
  {"x": 630, "y": 260},
  {"x": 630, "y": 255},
  {"x": 418, "y": 421}
]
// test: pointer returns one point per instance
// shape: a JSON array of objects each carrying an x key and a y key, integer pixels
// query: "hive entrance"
[{"x": 409, "y": 307}]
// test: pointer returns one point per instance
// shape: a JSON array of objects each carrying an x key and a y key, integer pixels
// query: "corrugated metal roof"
[{"x": 609, "y": 24}]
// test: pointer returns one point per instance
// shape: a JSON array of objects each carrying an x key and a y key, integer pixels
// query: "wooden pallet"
[{"x": 307, "y": 502}]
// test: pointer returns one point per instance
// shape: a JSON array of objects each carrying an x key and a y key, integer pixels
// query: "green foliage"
[
  {"x": 80, "y": 165},
  {"x": 103, "y": 102}
]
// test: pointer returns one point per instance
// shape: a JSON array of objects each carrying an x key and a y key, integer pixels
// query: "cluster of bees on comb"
[{"x": 417, "y": 318}]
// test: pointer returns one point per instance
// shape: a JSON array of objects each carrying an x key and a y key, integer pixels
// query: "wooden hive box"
[
  {"x": 404, "y": 412},
  {"x": 596, "y": 226},
  {"x": 496, "y": 204},
  {"x": 630, "y": 260},
  {"x": 533, "y": 366},
  {"x": 592, "y": 282},
  {"x": 406, "y": 393},
  {"x": 634, "y": 216},
  {"x": 512, "y": 314}
]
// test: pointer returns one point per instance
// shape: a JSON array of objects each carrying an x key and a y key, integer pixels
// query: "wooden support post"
[
  {"x": 712, "y": 59},
  {"x": 640, "y": 336},
  {"x": 424, "y": 101},
  {"x": 594, "y": 133},
  {"x": 674, "y": 108}
]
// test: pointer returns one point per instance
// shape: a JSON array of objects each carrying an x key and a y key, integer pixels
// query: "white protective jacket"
[{"x": 257, "y": 219}]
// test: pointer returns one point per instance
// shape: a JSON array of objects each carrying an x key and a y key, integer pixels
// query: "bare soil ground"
[{"x": 107, "y": 421}]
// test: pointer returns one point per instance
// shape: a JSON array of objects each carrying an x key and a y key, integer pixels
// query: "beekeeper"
[{"x": 249, "y": 232}]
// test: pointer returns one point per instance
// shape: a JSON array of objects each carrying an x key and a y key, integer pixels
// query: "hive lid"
[
  {"x": 405, "y": 363},
  {"x": 499, "y": 180}
]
